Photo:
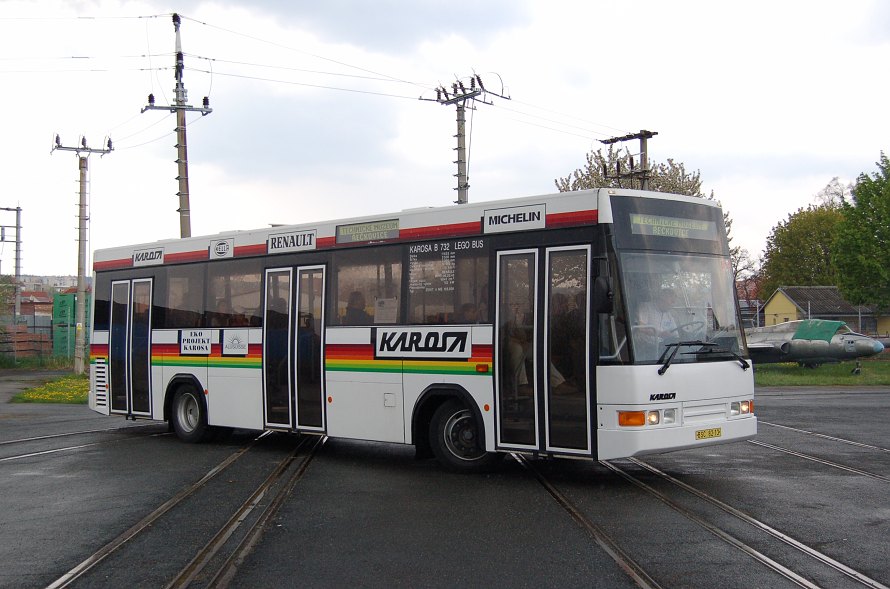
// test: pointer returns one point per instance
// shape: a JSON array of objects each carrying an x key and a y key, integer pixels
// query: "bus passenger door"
[
  {"x": 516, "y": 382},
  {"x": 542, "y": 350},
  {"x": 129, "y": 347},
  {"x": 277, "y": 349},
  {"x": 292, "y": 344},
  {"x": 309, "y": 344},
  {"x": 567, "y": 350}
]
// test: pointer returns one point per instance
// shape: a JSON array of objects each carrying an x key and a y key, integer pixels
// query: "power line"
[
  {"x": 294, "y": 69},
  {"x": 292, "y": 83},
  {"x": 79, "y": 337},
  {"x": 459, "y": 97},
  {"x": 180, "y": 107}
]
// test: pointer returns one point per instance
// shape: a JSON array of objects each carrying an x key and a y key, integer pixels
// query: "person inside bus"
[
  {"x": 468, "y": 314},
  {"x": 223, "y": 315},
  {"x": 657, "y": 315},
  {"x": 355, "y": 310}
]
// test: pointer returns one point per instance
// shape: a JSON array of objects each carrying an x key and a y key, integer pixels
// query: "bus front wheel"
[
  {"x": 189, "y": 415},
  {"x": 457, "y": 440}
]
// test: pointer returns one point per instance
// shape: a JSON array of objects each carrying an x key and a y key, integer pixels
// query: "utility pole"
[
  {"x": 17, "y": 292},
  {"x": 459, "y": 96},
  {"x": 643, "y": 172},
  {"x": 80, "y": 313},
  {"x": 180, "y": 107}
]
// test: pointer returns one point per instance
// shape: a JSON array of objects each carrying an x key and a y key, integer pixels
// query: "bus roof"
[{"x": 566, "y": 209}]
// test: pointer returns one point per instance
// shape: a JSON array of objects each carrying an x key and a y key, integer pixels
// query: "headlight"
[{"x": 745, "y": 407}]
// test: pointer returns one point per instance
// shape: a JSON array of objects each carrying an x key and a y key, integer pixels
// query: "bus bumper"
[{"x": 627, "y": 442}]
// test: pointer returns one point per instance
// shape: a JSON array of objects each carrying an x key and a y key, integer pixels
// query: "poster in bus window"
[{"x": 386, "y": 310}]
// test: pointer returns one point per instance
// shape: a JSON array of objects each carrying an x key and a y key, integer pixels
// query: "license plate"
[{"x": 707, "y": 434}]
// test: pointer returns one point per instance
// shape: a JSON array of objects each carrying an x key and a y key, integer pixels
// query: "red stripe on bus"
[
  {"x": 197, "y": 256},
  {"x": 349, "y": 351},
  {"x": 572, "y": 218},
  {"x": 472, "y": 228},
  {"x": 113, "y": 264},
  {"x": 250, "y": 250}
]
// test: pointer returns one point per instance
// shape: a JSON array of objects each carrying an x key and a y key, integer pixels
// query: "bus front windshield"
[{"x": 673, "y": 298}]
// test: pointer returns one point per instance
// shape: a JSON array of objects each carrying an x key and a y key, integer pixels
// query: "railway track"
[
  {"x": 215, "y": 559},
  {"x": 756, "y": 540},
  {"x": 109, "y": 436}
]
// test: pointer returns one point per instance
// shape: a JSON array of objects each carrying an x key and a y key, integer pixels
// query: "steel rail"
[
  {"x": 812, "y": 458},
  {"x": 79, "y": 570},
  {"x": 627, "y": 564},
  {"x": 825, "y": 436},
  {"x": 229, "y": 568},
  {"x": 729, "y": 539},
  {"x": 811, "y": 552}
]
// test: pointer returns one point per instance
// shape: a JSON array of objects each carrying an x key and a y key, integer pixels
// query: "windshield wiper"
[
  {"x": 673, "y": 352},
  {"x": 706, "y": 348},
  {"x": 712, "y": 350}
]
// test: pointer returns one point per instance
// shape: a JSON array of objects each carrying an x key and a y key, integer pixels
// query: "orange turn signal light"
[{"x": 631, "y": 418}]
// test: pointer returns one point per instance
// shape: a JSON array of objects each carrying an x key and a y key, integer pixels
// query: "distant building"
[
  {"x": 48, "y": 283},
  {"x": 790, "y": 303}
]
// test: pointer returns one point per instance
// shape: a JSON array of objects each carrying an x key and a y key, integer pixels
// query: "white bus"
[{"x": 595, "y": 324}]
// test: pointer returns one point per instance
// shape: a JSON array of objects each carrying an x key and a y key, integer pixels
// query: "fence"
[{"x": 21, "y": 341}]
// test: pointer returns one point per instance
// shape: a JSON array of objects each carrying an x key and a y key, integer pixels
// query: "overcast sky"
[{"x": 316, "y": 113}]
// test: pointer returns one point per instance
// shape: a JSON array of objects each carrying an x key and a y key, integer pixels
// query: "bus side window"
[
  {"x": 448, "y": 282},
  {"x": 368, "y": 286},
  {"x": 234, "y": 291},
  {"x": 183, "y": 299}
]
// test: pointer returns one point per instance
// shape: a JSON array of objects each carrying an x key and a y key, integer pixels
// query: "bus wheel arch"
[
  {"x": 186, "y": 409},
  {"x": 448, "y": 425}
]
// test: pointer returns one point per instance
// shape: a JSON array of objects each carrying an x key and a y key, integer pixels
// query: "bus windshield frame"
[{"x": 676, "y": 281}]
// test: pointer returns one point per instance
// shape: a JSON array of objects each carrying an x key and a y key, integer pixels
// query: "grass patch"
[
  {"x": 67, "y": 389},
  {"x": 36, "y": 362},
  {"x": 873, "y": 373}
]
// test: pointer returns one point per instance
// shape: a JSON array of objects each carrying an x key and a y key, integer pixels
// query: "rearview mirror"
[{"x": 602, "y": 295}]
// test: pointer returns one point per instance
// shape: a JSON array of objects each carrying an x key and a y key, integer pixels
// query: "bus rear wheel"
[
  {"x": 457, "y": 440},
  {"x": 189, "y": 415}
]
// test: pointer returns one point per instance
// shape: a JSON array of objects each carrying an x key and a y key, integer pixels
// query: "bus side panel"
[
  {"x": 235, "y": 383},
  {"x": 98, "y": 397},
  {"x": 364, "y": 394},
  {"x": 475, "y": 375},
  {"x": 167, "y": 357}
]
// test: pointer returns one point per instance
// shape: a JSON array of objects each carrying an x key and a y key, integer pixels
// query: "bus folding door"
[{"x": 129, "y": 347}]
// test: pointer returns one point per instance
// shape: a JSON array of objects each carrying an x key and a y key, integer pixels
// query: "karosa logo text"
[
  {"x": 148, "y": 257},
  {"x": 429, "y": 342}
]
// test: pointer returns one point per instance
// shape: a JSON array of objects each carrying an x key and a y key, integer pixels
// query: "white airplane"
[{"x": 809, "y": 342}]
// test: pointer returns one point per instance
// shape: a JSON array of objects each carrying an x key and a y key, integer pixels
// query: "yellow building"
[{"x": 790, "y": 303}]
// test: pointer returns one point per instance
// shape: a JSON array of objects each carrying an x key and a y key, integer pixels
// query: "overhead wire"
[{"x": 529, "y": 118}]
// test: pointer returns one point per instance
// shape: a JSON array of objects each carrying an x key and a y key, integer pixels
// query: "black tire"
[
  {"x": 457, "y": 440},
  {"x": 189, "y": 415}
]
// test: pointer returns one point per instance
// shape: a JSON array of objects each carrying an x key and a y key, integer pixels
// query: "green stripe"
[{"x": 202, "y": 364}]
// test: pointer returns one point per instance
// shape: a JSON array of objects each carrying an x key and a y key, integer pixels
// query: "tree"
[
  {"x": 862, "y": 242},
  {"x": 667, "y": 176},
  {"x": 663, "y": 177},
  {"x": 798, "y": 251},
  {"x": 834, "y": 193}
]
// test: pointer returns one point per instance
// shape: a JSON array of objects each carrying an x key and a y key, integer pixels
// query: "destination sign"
[
  {"x": 673, "y": 227},
  {"x": 374, "y": 231}
]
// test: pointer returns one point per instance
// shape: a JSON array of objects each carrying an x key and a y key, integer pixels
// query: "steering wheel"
[{"x": 692, "y": 326}]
